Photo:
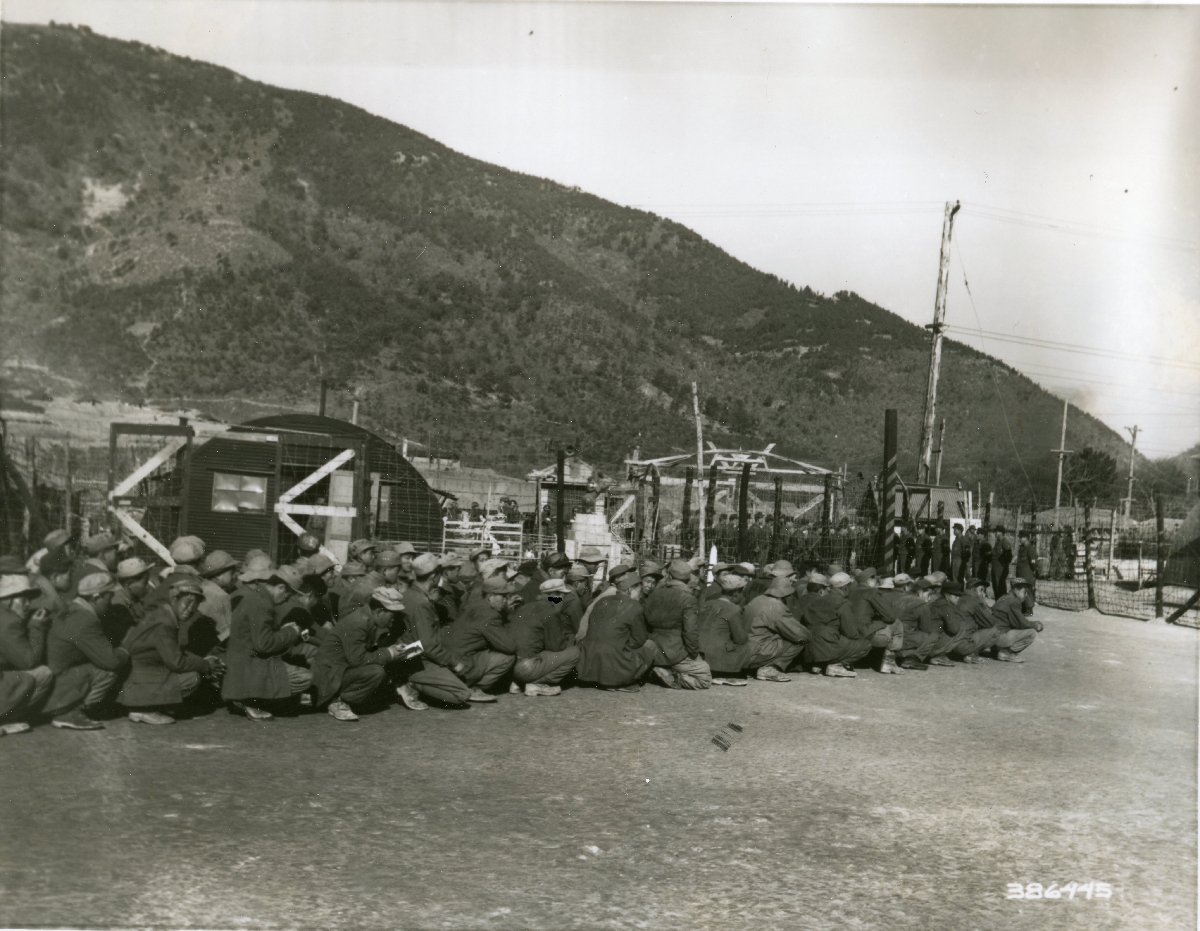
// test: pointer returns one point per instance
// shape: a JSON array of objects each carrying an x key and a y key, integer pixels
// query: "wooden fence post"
[
  {"x": 1087, "y": 555},
  {"x": 743, "y": 537},
  {"x": 1160, "y": 553},
  {"x": 687, "y": 511}
]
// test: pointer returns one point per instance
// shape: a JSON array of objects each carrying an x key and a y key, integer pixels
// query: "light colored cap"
[
  {"x": 97, "y": 583},
  {"x": 318, "y": 564},
  {"x": 902, "y": 578},
  {"x": 132, "y": 568},
  {"x": 887, "y": 584},
  {"x": 361, "y": 546},
  {"x": 258, "y": 569},
  {"x": 680, "y": 570},
  {"x": 353, "y": 570},
  {"x": 185, "y": 583},
  {"x": 781, "y": 587},
  {"x": 450, "y": 561},
  {"x": 289, "y": 575},
  {"x": 781, "y": 569},
  {"x": 406, "y": 549},
  {"x": 55, "y": 538},
  {"x": 578, "y": 573},
  {"x": 308, "y": 543},
  {"x": 492, "y": 566},
  {"x": 97, "y": 544},
  {"x": 387, "y": 559},
  {"x": 217, "y": 562},
  {"x": 553, "y": 587},
  {"x": 840, "y": 579},
  {"x": 495, "y": 585},
  {"x": 425, "y": 564},
  {"x": 390, "y": 598},
  {"x": 590, "y": 554},
  {"x": 815, "y": 578},
  {"x": 187, "y": 549},
  {"x": 13, "y": 585}
]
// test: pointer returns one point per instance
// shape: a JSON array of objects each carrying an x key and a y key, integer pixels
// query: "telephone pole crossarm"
[{"x": 935, "y": 355}]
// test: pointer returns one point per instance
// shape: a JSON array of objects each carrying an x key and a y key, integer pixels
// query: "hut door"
[{"x": 338, "y": 530}]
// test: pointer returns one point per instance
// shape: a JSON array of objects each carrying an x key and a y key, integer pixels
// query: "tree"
[{"x": 1090, "y": 474}]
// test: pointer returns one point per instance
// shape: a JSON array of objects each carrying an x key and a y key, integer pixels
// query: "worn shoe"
[
  {"x": 840, "y": 671},
  {"x": 514, "y": 688},
  {"x": 887, "y": 665},
  {"x": 940, "y": 661},
  {"x": 721, "y": 680},
  {"x": 77, "y": 721},
  {"x": 771, "y": 674},
  {"x": 340, "y": 711},
  {"x": 17, "y": 727},
  {"x": 632, "y": 687},
  {"x": 973, "y": 658},
  {"x": 150, "y": 717},
  {"x": 412, "y": 700},
  {"x": 478, "y": 695},
  {"x": 911, "y": 662},
  {"x": 306, "y": 700},
  {"x": 253, "y": 712},
  {"x": 667, "y": 677},
  {"x": 532, "y": 688},
  {"x": 1007, "y": 657}
]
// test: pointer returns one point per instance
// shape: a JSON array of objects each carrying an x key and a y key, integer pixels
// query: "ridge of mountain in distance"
[{"x": 178, "y": 233}]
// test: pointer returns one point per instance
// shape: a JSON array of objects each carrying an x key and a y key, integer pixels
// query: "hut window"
[{"x": 239, "y": 494}]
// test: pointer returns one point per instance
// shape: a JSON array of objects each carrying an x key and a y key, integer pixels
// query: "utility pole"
[
  {"x": 941, "y": 445},
  {"x": 699, "y": 470},
  {"x": 935, "y": 355},
  {"x": 1132, "y": 457},
  {"x": 1062, "y": 454}
]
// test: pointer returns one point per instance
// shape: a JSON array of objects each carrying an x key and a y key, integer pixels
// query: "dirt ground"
[{"x": 879, "y": 802}]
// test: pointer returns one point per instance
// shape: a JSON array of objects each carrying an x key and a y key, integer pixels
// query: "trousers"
[
  {"x": 547, "y": 668},
  {"x": 775, "y": 652},
  {"x": 95, "y": 683},
  {"x": 693, "y": 673},
  {"x": 974, "y": 642},
  {"x": 487, "y": 668},
  {"x": 946, "y": 643},
  {"x": 438, "y": 682},
  {"x": 360, "y": 682},
  {"x": 889, "y": 638},
  {"x": 999, "y": 580},
  {"x": 1015, "y": 640},
  {"x": 917, "y": 644}
]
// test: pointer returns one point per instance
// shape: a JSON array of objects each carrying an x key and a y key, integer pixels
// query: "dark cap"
[
  {"x": 55, "y": 562},
  {"x": 556, "y": 561},
  {"x": 527, "y": 567},
  {"x": 952, "y": 588},
  {"x": 974, "y": 583}
]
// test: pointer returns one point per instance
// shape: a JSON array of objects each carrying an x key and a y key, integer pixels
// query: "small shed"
[{"x": 304, "y": 472}]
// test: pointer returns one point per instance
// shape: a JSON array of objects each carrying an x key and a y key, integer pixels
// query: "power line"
[
  {"x": 1068, "y": 347},
  {"x": 1070, "y": 226}
]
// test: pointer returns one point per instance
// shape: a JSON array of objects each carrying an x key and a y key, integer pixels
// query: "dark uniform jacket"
[
  {"x": 915, "y": 616},
  {"x": 949, "y": 617},
  {"x": 768, "y": 619},
  {"x": 257, "y": 642},
  {"x": 724, "y": 637},
  {"x": 832, "y": 623},
  {"x": 535, "y": 628},
  {"x": 979, "y": 612},
  {"x": 355, "y": 640},
  {"x": 1008, "y": 614},
  {"x": 76, "y": 641},
  {"x": 478, "y": 628},
  {"x": 22, "y": 645},
  {"x": 671, "y": 617},
  {"x": 156, "y": 661},
  {"x": 616, "y": 630},
  {"x": 571, "y": 612},
  {"x": 421, "y": 623},
  {"x": 870, "y": 608}
]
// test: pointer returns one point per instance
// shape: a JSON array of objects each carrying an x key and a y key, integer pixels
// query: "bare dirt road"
[{"x": 880, "y": 802}]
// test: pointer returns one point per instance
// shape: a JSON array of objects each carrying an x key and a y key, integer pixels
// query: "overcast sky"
[{"x": 818, "y": 143}]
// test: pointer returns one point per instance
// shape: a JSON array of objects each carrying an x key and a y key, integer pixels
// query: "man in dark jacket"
[
  {"x": 258, "y": 640},
  {"x": 161, "y": 673},
  {"x": 616, "y": 653},
  {"x": 673, "y": 623},
  {"x": 960, "y": 623},
  {"x": 956, "y": 552},
  {"x": 724, "y": 638},
  {"x": 479, "y": 637},
  {"x": 837, "y": 641},
  {"x": 875, "y": 619},
  {"x": 776, "y": 639},
  {"x": 912, "y": 608},
  {"x": 438, "y": 672},
  {"x": 351, "y": 662},
  {"x": 1014, "y": 631},
  {"x": 546, "y": 650},
  {"x": 1027, "y": 557},
  {"x": 1002, "y": 556},
  {"x": 84, "y": 663},
  {"x": 25, "y": 679}
]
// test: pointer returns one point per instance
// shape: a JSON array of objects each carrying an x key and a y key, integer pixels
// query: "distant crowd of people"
[{"x": 86, "y": 634}]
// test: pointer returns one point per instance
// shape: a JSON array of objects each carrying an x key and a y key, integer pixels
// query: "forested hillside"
[{"x": 174, "y": 231}]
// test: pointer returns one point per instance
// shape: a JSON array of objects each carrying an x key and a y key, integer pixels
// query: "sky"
[{"x": 819, "y": 143}]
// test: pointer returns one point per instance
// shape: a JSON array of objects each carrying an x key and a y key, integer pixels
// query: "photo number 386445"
[{"x": 1088, "y": 890}]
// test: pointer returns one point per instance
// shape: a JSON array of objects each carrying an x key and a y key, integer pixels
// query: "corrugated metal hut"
[{"x": 256, "y": 485}]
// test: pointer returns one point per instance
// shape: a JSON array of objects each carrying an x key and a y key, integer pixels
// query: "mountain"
[{"x": 176, "y": 233}]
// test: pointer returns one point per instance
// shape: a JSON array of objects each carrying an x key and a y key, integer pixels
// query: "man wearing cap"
[
  {"x": 351, "y": 662},
  {"x": 84, "y": 663},
  {"x": 673, "y": 623},
  {"x": 352, "y": 573},
  {"x": 450, "y": 585},
  {"x": 589, "y": 559},
  {"x": 102, "y": 551},
  {"x": 577, "y": 599},
  {"x": 25, "y": 679},
  {"x": 1027, "y": 559},
  {"x": 615, "y": 652},
  {"x": 925, "y": 641},
  {"x": 775, "y": 637},
  {"x": 162, "y": 674},
  {"x": 1014, "y": 630},
  {"x": 437, "y": 673},
  {"x": 472, "y": 573},
  {"x": 651, "y": 574},
  {"x": 186, "y": 552},
  {"x": 208, "y": 627},
  {"x": 875, "y": 619},
  {"x": 780, "y": 569},
  {"x": 836, "y": 643},
  {"x": 1002, "y": 555},
  {"x": 388, "y": 565},
  {"x": 959, "y": 619},
  {"x": 307, "y": 545},
  {"x": 364, "y": 551},
  {"x": 724, "y": 638},
  {"x": 478, "y": 635},
  {"x": 256, "y": 671},
  {"x": 546, "y": 650}
]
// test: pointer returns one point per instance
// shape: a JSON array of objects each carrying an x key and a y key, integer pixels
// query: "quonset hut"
[{"x": 262, "y": 483}]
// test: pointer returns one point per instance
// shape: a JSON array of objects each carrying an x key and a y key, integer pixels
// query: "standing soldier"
[
  {"x": 1002, "y": 555},
  {"x": 956, "y": 552}
]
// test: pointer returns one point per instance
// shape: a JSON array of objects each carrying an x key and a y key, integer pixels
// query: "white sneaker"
[
  {"x": 478, "y": 695},
  {"x": 340, "y": 711},
  {"x": 514, "y": 688},
  {"x": 840, "y": 671},
  {"x": 17, "y": 727},
  {"x": 771, "y": 674},
  {"x": 412, "y": 700},
  {"x": 532, "y": 688}
]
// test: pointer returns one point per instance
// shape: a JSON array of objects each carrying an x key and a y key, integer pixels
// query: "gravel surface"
[{"x": 878, "y": 802}]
